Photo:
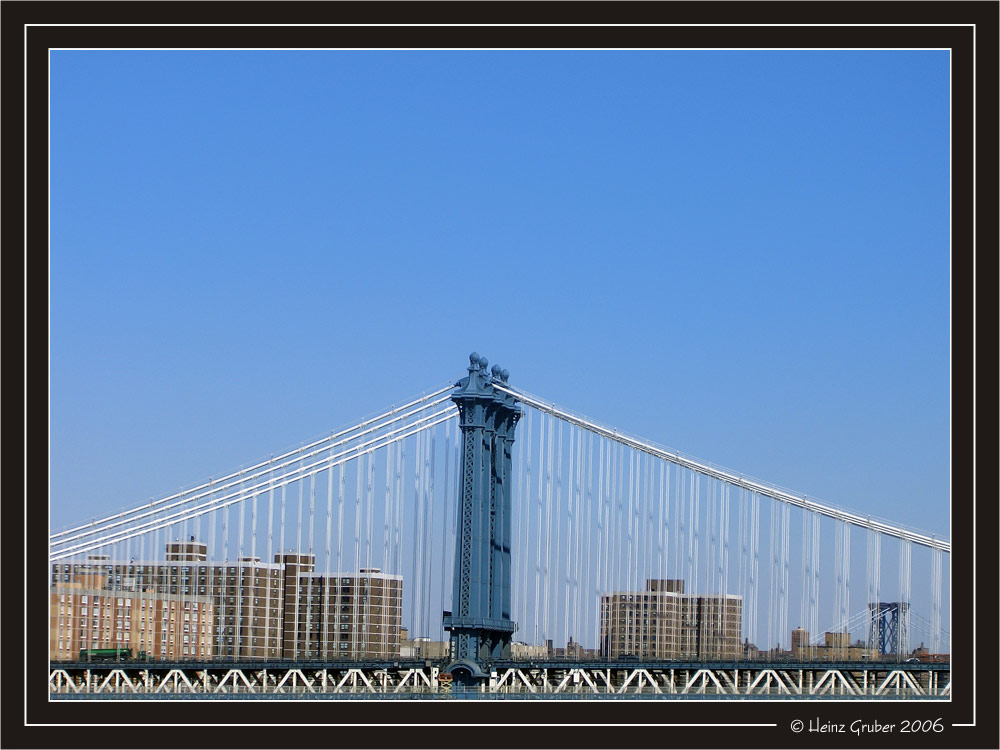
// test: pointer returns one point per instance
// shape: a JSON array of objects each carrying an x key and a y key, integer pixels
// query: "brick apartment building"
[
  {"x": 189, "y": 608},
  {"x": 663, "y": 622}
]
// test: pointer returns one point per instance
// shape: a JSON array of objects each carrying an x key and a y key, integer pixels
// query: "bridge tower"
[
  {"x": 889, "y": 627},
  {"x": 479, "y": 622}
]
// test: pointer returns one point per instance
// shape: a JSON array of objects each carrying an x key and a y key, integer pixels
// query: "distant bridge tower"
[
  {"x": 480, "y": 623},
  {"x": 890, "y": 627}
]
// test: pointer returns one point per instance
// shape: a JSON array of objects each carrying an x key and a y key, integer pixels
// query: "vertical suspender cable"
[
  {"x": 936, "y": 597},
  {"x": 610, "y": 545},
  {"x": 663, "y": 529},
  {"x": 806, "y": 538},
  {"x": 838, "y": 567},
  {"x": 418, "y": 460},
  {"x": 384, "y": 639},
  {"x": 588, "y": 589},
  {"x": 741, "y": 542},
  {"x": 373, "y": 584},
  {"x": 614, "y": 519},
  {"x": 549, "y": 480},
  {"x": 400, "y": 468},
  {"x": 847, "y": 577},
  {"x": 692, "y": 554},
  {"x": 227, "y": 600},
  {"x": 330, "y": 619},
  {"x": 254, "y": 581},
  {"x": 773, "y": 581},
  {"x": 570, "y": 523},
  {"x": 903, "y": 605},
  {"x": 543, "y": 419},
  {"x": 311, "y": 581},
  {"x": 299, "y": 579},
  {"x": 312, "y": 511},
  {"x": 240, "y": 582},
  {"x": 338, "y": 607},
  {"x": 557, "y": 522},
  {"x": 526, "y": 509},
  {"x": 629, "y": 492},
  {"x": 786, "y": 520},
  {"x": 815, "y": 550},
  {"x": 445, "y": 550},
  {"x": 428, "y": 528},
  {"x": 601, "y": 578},
  {"x": 633, "y": 511},
  {"x": 755, "y": 562},
  {"x": 647, "y": 573},
  {"x": 727, "y": 622},
  {"x": 523, "y": 511},
  {"x": 680, "y": 535},
  {"x": 356, "y": 572},
  {"x": 578, "y": 631},
  {"x": 872, "y": 561}
]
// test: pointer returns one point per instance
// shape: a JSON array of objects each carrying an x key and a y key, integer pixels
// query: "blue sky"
[{"x": 740, "y": 255}]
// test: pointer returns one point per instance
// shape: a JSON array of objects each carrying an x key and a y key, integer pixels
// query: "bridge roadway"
[{"x": 524, "y": 679}]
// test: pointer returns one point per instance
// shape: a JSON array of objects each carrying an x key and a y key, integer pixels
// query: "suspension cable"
[{"x": 736, "y": 479}]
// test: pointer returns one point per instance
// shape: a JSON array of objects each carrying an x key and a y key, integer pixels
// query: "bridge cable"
[
  {"x": 602, "y": 623},
  {"x": 446, "y": 512},
  {"x": 523, "y": 507},
  {"x": 231, "y": 498},
  {"x": 144, "y": 511},
  {"x": 429, "y": 528},
  {"x": 538, "y": 524},
  {"x": 238, "y": 475},
  {"x": 589, "y": 592},
  {"x": 739, "y": 480}
]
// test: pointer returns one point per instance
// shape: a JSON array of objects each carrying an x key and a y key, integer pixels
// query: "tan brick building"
[
  {"x": 663, "y": 622},
  {"x": 835, "y": 647},
  {"x": 338, "y": 616},
  {"x": 255, "y": 610},
  {"x": 162, "y": 626}
]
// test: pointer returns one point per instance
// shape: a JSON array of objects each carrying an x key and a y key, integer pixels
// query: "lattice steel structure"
[{"x": 890, "y": 627}]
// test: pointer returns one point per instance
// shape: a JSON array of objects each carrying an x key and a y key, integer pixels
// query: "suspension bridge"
[{"x": 480, "y": 541}]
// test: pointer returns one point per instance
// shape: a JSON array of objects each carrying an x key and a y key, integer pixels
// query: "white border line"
[
  {"x": 528, "y": 49},
  {"x": 497, "y": 49}
]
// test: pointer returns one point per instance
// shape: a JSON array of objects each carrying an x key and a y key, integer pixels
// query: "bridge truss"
[{"x": 525, "y": 680}]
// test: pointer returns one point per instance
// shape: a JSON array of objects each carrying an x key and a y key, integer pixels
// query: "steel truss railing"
[{"x": 789, "y": 681}]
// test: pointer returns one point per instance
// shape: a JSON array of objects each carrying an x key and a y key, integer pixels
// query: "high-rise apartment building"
[
  {"x": 244, "y": 609},
  {"x": 336, "y": 616},
  {"x": 663, "y": 622},
  {"x": 86, "y": 615}
]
